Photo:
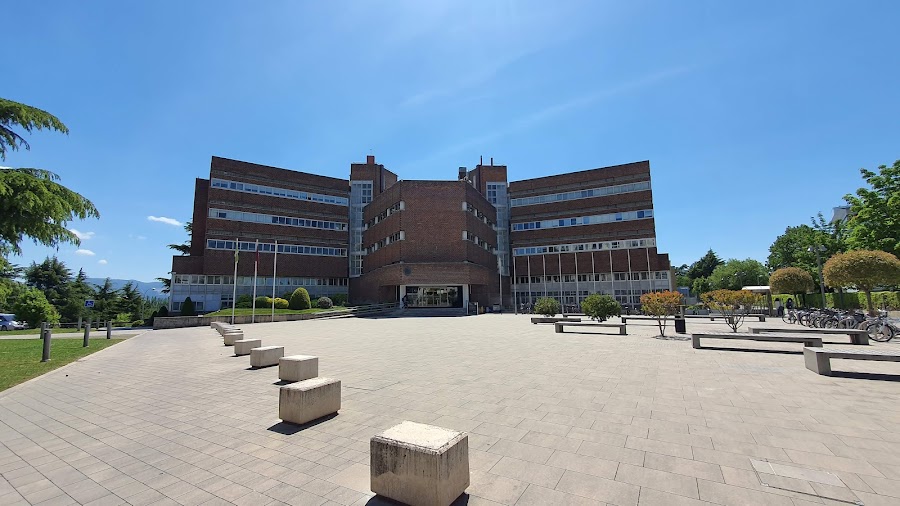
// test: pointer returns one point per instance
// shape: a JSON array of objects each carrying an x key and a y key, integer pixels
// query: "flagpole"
[
  {"x": 234, "y": 292},
  {"x": 274, "y": 277},
  {"x": 561, "y": 289},
  {"x": 255, "y": 269}
]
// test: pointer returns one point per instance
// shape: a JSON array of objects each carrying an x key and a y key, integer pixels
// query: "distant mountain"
[{"x": 145, "y": 288}]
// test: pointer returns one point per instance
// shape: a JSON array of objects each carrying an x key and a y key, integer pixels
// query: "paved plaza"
[{"x": 171, "y": 417}]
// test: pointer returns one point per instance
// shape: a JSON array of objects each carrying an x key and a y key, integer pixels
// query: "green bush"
[
  {"x": 163, "y": 312},
  {"x": 546, "y": 306},
  {"x": 852, "y": 300},
  {"x": 324, "y": 303},
  {"x": 300, "y": 299},
  {"x": 244, "y": 302},
  {"x": 187, "y": 308},
  {"x": 600, "y": 307},
  {"x": 281, "y": 303},
  {"x": 32, "y": 307},
  {"x": 137, "y": 323},
  {"x": 263, "y": 302},
  {"x": 339, "y": 299},
  {"x": 153, "y": 315}
]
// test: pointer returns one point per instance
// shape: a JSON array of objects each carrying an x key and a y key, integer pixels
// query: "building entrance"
[{"x": 434, "y": 296}]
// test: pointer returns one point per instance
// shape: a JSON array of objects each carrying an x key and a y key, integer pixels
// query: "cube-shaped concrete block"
[
  {"x": 243, "y": 346},
  {"x": 230, "y": 337},
  {"x": 266, "y": 356},
  {"x": 418, "y": 464},
  {"x": 228, "y": 328},
  {"x": 309, "y": 400},
  {"x": 298, "y": 368}
]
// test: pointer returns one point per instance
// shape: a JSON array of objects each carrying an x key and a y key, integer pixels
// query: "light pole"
[
  {"x": 144, "y": 301},
  {"x": 819, "y": 249}
]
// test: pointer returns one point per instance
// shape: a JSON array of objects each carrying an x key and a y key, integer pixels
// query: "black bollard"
[
  {"x": 680, "y": 326},
  {"x": 87, "y": 333},
  {"x": 44, "y": 326},
  {"x": 48, "y": 335},
  {"x": 108, "y": 330}
]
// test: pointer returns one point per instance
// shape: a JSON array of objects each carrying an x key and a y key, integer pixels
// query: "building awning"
[{"x": 757, "y": 289}]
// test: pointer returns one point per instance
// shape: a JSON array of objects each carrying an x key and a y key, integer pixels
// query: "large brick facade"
[{"x": 379, "y": 239}]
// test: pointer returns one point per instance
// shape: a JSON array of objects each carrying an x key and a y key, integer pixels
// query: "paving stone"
[{"x": 599, "y": 489}]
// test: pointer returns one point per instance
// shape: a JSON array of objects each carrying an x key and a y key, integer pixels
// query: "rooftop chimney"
[
  {"x": 370, "y": 159},
  {"x": 492, "y": 161},
  {"x": 462, "y": 173}
]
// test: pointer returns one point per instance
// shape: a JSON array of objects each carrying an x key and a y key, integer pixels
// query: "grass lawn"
[
  {"x": 37, "y": 331},
  {"x": 20, "y": 359},
  {"x": 268, "y": 311}
]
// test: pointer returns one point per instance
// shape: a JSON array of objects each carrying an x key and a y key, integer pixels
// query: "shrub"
[
  {"x": 734, "y": 305},
  {"x": 244, "y": 301},
  {"x": 339, "y": 299},
  {"x": 153, "y": 315},
  {"x": 863, "y": 270},
  {"x": 791, "y": 280},
  {"x": 546, "y": 306},
  {"x": 32, "y": 306},
  {"x": 287, "y": 295},
  {"x": 137, "y": 323},
  {"x": 264, "y": 301},
  {"x": 600, "y": 307},
  {"x": 300, "y": 299},
  {"x": 187, "y": 308},
  {"x": 281, "y": 303},
  {"x": 660, "y": 305},
  {"x": 163, "y": 312},
  {"x": 324, "y": 303}
]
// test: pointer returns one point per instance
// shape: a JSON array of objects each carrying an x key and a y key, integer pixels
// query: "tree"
[
  {"x": 78, "y": 292},
  {"x": 735, "y": 274},
  {"x": 700, "y": 286},
  {"x": 129, "y": 301},
  {"x": 792, "y": 248},
  {"x": 704, "y": 267},
  {"x": 734, "y": 305},
  {"x": 187, "y": 308},
  {"x": 28, "y": 118},
  {"x": 660, "y": 305},
  {"x": 863, "y": 270},
  {"x": 600, "y": 307},
  {"x": 51, "y": 277},
  {"x": 546, "y": 306},
  {"x": 167, "y": 284},
  {"x": 793, "y": 280},
  {"x": 874, "y": 222},
  {"x": 300, "y": 299},
  {"x": 105, "y": 300},
  {"x": 184, "y": 248},
  {"x": 32, "y": 307}
]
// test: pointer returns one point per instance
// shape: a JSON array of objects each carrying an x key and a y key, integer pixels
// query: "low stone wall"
[{"x": 174, "y": 322}]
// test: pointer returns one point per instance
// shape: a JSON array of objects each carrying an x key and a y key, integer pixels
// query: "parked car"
[{"x": 8, "y": 322}]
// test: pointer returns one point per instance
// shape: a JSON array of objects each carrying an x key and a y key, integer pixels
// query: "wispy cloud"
[
  {"x": 83, "y": 236},
  {"x": 102, "y": 262},
  {"x": 138, "y": 237},
  {"x": 167, "y": 221},
  {"x": 85, "y": 252}
]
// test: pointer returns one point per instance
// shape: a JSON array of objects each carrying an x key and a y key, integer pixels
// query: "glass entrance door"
[{"x": 433, "y": 296}]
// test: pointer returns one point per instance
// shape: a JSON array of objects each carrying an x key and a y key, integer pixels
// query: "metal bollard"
[
  {"x": 44, "y": 326},
  {"x": 109, "y": 330},
  {"x": 47, "y": 335},
  {"x": 79, "y": 323},
  {"x": 87, "y": 333}
]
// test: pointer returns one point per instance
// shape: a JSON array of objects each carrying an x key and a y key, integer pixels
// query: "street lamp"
[
  {"x": 819, "y": 249},
  {"x": 144, "y": 300}
]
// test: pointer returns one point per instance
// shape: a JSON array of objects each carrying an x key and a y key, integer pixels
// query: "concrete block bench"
[
  {"x": 227, "y": 328},
  {"x": 266, "y": 356},
  {"x": 857, "y": 336},
  {"x": 807, "y": 340},
  {"x": 560, "y": 326},
  {"x": 309, "y": 400},
  {"x": 554, "y": 320},
  {"x": 818, "y": 360},
  {"x": 231, "y": 336},
  {"x": 298, "y": 368},
  {"x": 243, "y": 346},
  {"x": 414, "y": 463}
]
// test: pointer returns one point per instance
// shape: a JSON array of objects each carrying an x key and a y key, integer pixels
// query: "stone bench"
[
  {"x": 309, "y": 400},
  {"x": 807, "y": 340},
  {"x": 857, "y": 336},
  {"x": 414, "y": 463},
  {"x": 560, "y": 326},
  {"x": 554, "y": 320},
  {"x": 298, "y": 367},
  {"x": 818, "y": 360},
  {"x": 265, "y": 356},
  {"x": 227, "y": 328},
  {"x": 231, "y": 336},
  {"x": 243, "y": 346}
]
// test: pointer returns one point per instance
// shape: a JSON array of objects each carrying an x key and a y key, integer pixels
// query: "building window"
[
  {"x": 279, "y": 192},
  {"x": 249, "y": 217},
  {"x": 581, "y": 194},
  {"x": 584, "y": 220}
]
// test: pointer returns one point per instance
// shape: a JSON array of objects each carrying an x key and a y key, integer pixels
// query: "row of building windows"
[
  {"x": 585, "y": 246},
  {"x": 278, "y": 192},
  {"x": 201, "y": 279},
  {"x": 599, "y": 276},
  {"x": 291, "y": 249},
  {"x": 226, "y": 214},
  {"x": 584, "y": 220},
  {"x": 477, "y": 212},
  {"x": 477, "y": 240},
  {"x": 496, "y": 193},
  {"x": 581, "y": 194},
  {"x": 397, "y": 236},
  {"x": 397, "y": 207}
]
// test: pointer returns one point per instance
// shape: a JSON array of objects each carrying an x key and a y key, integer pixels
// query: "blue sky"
[{"x": 754, "y": 115}]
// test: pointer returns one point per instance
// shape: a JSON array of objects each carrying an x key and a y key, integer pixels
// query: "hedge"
[{"x": 852, "y": 300}]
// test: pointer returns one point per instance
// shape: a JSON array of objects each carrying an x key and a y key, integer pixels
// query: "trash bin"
[{"x": 680, "y": 326}]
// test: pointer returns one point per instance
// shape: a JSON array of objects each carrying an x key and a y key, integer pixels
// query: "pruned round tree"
[
  {"x": 734, "y": 305},
  {"x": 600, "y": 307},
  {"x": 864, "y": 270},
  {"x": 661, "y": 305},
  {"x": 791, "y": 280}
]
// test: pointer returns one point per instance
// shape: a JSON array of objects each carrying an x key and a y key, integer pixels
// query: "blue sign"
[{"x": 89, "y": 303}]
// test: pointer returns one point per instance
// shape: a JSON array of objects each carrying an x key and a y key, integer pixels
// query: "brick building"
[{"x": 430, "y": 243}]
